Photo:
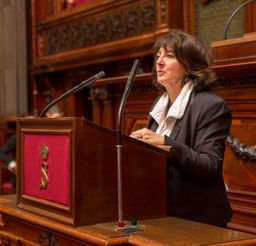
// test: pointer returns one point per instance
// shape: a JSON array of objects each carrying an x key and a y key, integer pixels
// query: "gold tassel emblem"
[{"x": 44, "y": 152}]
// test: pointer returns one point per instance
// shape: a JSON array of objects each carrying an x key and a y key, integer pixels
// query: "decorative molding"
[
  {"x": 110, "y": 27},
  {"x": 163, "y": 9},
  {"x": 98, "y": 92},
  {"x": 240, "y": 150},
  {"x": 143, "y": 89},
  {"x": 137, "y": 89},
  {"x": 235, "y": 82}
]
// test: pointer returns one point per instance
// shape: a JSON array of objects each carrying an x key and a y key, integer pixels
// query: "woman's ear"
[{"x": 186, "y": 78}]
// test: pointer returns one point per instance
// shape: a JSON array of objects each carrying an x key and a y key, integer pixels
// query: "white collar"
[{"x": 177, "y": 109}]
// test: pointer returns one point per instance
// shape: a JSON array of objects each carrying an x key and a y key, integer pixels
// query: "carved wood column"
[
  {"x": 96, "y": 105},
  {"x": 102, "y": 106},
  {"x": 190, "y": 16},
  {"x": 107, "y": 113},
  {"x": 250, "y": 18},
  {"x": 96, "y": 110}
]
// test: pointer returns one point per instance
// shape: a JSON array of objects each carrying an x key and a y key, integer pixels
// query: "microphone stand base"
[{"x": 129, "y": 227}]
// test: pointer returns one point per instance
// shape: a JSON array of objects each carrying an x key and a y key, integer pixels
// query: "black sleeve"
[{"x": 202, "y": 158}]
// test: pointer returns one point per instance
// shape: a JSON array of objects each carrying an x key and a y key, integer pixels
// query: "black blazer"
[{"x": 195, "y": 185}]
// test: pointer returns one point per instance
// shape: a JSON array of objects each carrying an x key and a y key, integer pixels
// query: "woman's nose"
[{"x": 160, "y": 61}]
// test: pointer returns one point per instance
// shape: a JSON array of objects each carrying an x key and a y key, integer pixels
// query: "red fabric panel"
[
  {"x": 58, "y": 169},
  {"x": 7, "y": 186}
]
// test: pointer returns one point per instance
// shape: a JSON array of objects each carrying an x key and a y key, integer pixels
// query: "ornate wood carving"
[
  {"x": 105, "y": 28},
  {"x": 98, "y": 92},
  {"x": 48, "y": 238},
  {"x": 240, "y": 150},
  {"x": 238, "y": 81},
  {"x": 163, "y": 9}
]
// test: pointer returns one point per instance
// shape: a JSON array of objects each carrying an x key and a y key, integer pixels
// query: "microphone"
[
  {"x": 128, "y": 87},
  {"x": 119, "y": 141},
  {"x": 232, "y": 16},
  {"x": 77, "y": 88}
]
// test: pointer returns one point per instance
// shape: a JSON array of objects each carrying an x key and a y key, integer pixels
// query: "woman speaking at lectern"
[{"x": 195, "y": 122}]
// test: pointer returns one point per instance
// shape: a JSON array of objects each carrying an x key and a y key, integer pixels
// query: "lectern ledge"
[{"x": 67, "y": 172}]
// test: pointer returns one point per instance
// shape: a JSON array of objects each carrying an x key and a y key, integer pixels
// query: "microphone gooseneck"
[
  {"x": 232, "y": 16},
  {"x": 128, "y": 87},
  {"x": 119, "y": 141},
  {"x": 77, "y": 88}
]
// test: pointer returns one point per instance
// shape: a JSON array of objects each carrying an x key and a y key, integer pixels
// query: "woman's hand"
[{"x": 149, "y": 137}]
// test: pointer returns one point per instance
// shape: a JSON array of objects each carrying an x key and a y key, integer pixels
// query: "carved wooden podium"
[{"x": 67, "y": 172}]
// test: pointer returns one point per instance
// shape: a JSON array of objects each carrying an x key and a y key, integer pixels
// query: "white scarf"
[{"x": 176, "y": 111}]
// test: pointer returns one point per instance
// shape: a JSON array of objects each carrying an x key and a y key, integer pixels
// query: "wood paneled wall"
[{"x": 234, "y": 62}]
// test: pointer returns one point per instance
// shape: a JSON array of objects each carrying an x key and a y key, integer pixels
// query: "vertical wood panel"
[
  {"x": 190, "y": 16},
  {"x": 250, "y": 25}
]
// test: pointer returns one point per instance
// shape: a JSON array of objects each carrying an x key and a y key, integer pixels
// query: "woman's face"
[{"x": 169, "y": 71}]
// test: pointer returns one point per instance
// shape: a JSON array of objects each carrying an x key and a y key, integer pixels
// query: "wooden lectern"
[{"x": 67, "y": 172}]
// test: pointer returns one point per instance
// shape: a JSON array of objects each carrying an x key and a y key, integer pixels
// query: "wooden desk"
[
  {"x": 178, "y": 232},
  {"x": 23, "y": 228}
]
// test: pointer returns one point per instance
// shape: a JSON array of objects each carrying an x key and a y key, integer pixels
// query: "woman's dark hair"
[{"x": 191, "y": 54}]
